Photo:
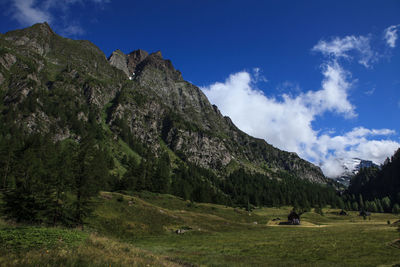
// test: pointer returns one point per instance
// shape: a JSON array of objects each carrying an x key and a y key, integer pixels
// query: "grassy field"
[{"x": 140, "y": 230}]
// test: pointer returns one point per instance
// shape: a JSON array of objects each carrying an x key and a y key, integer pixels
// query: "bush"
[{"x": 319, "y": 211}]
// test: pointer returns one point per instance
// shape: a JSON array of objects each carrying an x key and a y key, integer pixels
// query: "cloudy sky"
[{"x": 319, "y": 78}]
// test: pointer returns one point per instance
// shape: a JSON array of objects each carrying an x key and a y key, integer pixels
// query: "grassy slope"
[{"x": 139, "y": 230}]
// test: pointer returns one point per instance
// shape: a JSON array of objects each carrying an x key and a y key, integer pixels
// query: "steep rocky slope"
[{"x": 55, "y": 86}]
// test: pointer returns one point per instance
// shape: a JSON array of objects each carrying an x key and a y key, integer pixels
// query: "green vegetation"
[
  {"x": 31, "y": 246},
  {"x": 51, "y": 183},
  {"x": 29, "y": 238},
  {"x": 126, "y": 230}
]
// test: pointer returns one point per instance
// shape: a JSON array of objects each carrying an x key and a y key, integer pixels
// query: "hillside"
[{"x": 57, "y": 87}]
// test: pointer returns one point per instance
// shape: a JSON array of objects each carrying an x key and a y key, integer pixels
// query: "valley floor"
[{"x": 141, "y": 230}]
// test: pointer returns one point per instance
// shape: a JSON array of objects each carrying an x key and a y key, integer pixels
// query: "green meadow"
[{"x": 140, "y": 230}]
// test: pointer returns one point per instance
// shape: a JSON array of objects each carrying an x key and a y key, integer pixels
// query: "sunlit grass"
[{"x": 139, "y": 230}]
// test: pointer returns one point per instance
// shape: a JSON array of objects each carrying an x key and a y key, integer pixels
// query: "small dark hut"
[{"x": 294, "y": 218}]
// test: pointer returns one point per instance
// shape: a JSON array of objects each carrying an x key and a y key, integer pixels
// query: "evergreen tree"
[
  {"x": 386, "y": 204},
  {"x": 396, "y": 209},
  {"x": 90, "y": 173},
  {"x": 361, "y": 203},
  {"x": 161, "y": 178},
  {"x": 379, "y": 207},
  {"x": 130, "y": 179}
]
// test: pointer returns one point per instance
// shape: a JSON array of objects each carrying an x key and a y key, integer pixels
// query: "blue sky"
[{"x": 320, "y": 78}]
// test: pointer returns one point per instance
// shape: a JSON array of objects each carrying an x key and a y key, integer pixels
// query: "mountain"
[
  {"x": 350, "y": 168},
  {"x": 57, "y": 86},
  {"x": 379, "y": 185}
]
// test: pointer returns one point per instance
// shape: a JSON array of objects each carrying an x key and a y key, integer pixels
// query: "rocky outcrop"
[
  {"x": 119, "y": 60},
  {"x": 7, "y": 60},
  {"x": 135, "y": 58},
  {"x": 37, "y": 38}
]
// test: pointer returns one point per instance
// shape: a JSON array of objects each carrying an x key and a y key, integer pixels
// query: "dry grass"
[{"x": 94, "y": 251}]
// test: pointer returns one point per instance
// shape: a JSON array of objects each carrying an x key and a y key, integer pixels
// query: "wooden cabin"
[{"x": 294, "y": 218}]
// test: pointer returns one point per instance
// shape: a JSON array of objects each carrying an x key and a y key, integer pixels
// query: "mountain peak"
[
  {"x": 44, "y": 28},
  {"x": 157, "y": 54},
  {"x": 37, "y": 37},
  {"x": 135, "y": 58},
  {"x": 350, "y": 167},
  {"x": 39, "y": 30}
]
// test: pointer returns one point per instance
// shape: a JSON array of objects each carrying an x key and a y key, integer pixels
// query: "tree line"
[{"x": 376, "y": 189}]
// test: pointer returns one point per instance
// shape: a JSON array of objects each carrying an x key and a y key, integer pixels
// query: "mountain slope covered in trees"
[
  {"x": 73, "y": 123},
  {"x": 378, "y": 189}
]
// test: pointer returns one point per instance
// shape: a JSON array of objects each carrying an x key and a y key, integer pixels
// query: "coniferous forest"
[
  {"x": 50, "y": 182},
  {"x": 376, "y": 189}
]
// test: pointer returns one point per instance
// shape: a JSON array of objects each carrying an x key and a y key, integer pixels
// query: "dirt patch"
[
  {"x": 302, "y": 224},
  {"x": 395, "y": 243},
  {"x": 396, "y": 223}
]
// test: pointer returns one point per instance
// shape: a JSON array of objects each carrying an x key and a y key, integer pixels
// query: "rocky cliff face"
[
  {"x": 119, "y": 60},
  {"x": 66, "y": 83}
]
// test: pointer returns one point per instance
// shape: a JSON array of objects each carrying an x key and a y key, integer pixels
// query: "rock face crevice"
[{"x": 137, "y": 92}]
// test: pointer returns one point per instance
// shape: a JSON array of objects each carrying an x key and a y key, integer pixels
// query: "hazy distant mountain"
[{"x": 350, "y": 168}]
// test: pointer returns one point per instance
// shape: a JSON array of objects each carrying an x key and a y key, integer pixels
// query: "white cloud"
[
  {"x": 334, "y": 93},
  {"x": 289, "y": 87},
  {"x": 342, "y": 48},
  {"x": 259, "y": 115},
  {"x": 28, "y": 12},
  {"x": 258, "y": 76},
  {"x": 287, "y": 123},
  {"x": 350, "y": 146},
  {"x": 74, "y": 29},
  {"x": 390, "y": 35},
  {"x": 370, "y": 92}
]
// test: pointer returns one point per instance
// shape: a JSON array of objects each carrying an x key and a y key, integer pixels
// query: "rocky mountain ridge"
[
  {"x": 351, "y": 167},
  {"x": 54, "y": 85}
]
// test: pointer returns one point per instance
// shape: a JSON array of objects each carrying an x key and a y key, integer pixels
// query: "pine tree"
[
  {"x": 90, "y": 173},
  {"x": 396, "y": 209},
  {"x": 130, "y": 179},
  {"x": 361, "y": 202},
  {"x": 378, "y": 206},
  {"x": 161, "y": 178},
  {"x": 386, "y": 204}
]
